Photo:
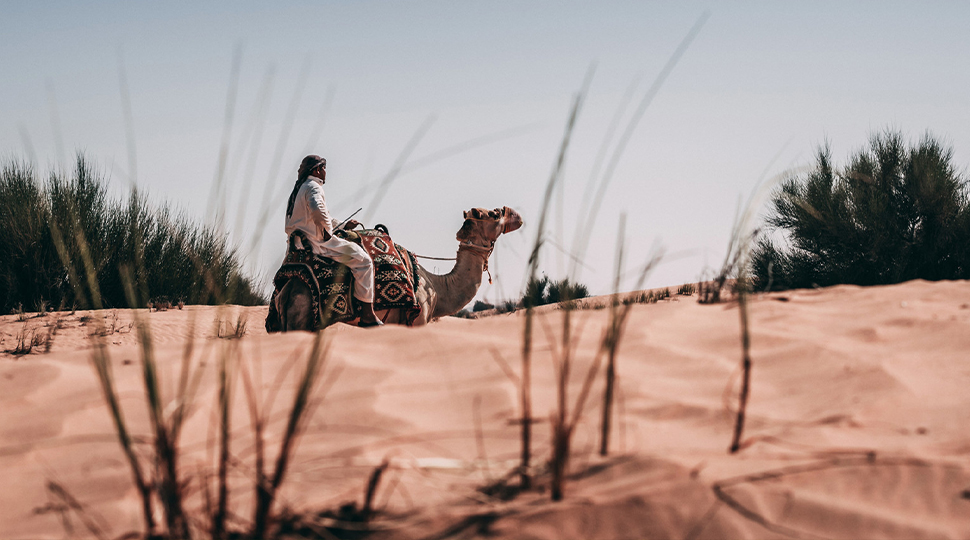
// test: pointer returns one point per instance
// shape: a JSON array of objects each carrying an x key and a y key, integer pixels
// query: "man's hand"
[{"x": 351, "y": 223}]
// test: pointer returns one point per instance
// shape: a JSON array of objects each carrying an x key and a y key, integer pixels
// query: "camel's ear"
[
  {"x": 495, "y": 214},
  {"x": 464, "y": 233},
  {"x": 464, "y": 215}
]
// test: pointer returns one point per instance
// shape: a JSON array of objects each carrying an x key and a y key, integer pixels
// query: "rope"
[
  {"x": 482, "y": 250},
  {"x": 435, "y": 258}
]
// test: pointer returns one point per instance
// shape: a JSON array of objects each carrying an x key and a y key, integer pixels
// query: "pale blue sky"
[{"x": 761, "y": 78}]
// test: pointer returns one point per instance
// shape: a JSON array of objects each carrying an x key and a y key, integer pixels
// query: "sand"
[{"x": 857, "y": 425}]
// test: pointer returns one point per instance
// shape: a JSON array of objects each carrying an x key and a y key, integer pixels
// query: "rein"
[
  {"x": 486, "y": 251},
  {"x": 434, "y": 258}
]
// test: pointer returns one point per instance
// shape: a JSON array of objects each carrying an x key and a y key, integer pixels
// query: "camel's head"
[{"x": 482, "y": 226}]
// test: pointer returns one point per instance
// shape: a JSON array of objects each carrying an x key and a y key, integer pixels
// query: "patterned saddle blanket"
[{"x": 332, "y": 284}]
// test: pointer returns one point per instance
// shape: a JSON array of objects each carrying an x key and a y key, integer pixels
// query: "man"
[{"x": 307, "y": 212}]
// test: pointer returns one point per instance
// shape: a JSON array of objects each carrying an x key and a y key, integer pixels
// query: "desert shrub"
[
  {"x": 646, "y": 297},
  {"x": 481, "y": 306},
  {"x": 507, "y": 306},
  {"x": 687, "y": 289},
  {"x": 542, "y": 291},
  {"x": 564, "y": 291},
  {"x": 65, "y": 242},
  {"x": 892, "y": 214},
  {"x": 535, "y": 292}
]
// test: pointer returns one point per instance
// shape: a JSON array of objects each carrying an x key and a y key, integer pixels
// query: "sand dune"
[{"x": 857, "y": 420}]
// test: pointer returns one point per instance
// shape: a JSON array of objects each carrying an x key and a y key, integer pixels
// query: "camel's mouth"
[{"x": 512, "y": 220}]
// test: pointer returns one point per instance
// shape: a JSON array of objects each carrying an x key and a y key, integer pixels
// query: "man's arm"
[{"x": 319, "y": 211}]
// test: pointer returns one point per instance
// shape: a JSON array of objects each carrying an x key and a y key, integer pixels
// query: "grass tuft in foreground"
[{"x": 159, "y": 475}]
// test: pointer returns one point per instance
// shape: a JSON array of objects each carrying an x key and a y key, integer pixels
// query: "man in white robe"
[{"x": 307, "y": 212}]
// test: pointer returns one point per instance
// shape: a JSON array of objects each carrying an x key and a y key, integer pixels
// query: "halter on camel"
[{"x": 509, "y": 221}]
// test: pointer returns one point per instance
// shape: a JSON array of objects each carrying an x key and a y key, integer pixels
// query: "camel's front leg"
[{"x": 426, "y": 297}]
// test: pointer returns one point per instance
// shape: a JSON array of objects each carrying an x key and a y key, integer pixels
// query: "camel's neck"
[{"x": 458, "y": 287}]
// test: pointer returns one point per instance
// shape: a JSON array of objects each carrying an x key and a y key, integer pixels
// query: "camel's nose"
[{"x": 512, "y": 220}]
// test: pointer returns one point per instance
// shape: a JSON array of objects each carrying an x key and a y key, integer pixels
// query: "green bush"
[
  {"x": 542, "y": 291},
  {"x": 507, "y": 306},
  {"x": 564, "y": 291},
  {"x": 647, "y": 297},
  {"x": 535, "y": 292},
  {"x": 481, "y": 306},
  {"x": 893, "y": 214},
  {"x": 66, "y": 243}
]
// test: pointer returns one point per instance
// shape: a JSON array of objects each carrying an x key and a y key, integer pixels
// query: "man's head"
[{"x": 313, "y": 165}]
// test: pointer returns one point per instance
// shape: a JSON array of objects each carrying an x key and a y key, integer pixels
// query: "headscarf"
[{"x": 306, "y": 166}]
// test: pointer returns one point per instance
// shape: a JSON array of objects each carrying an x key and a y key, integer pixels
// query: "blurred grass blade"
[
  {"x": 525, "y": 479},
  {"x": 267, "y": 488},
  {"x": 102, "y": 366}
]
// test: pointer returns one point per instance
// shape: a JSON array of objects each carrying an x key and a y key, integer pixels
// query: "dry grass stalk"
[
  {"x": 165, "y": 431},
  {"x": 480, "y": 438},
  {"x": 27, "y": 339},
  {"x": 102, "y": 366},
  {"x": 227, "y": 330},
  {"x": 259, "y": 415},
  {"x": 611, "y": 362},
  {"x": 52, "y": 328},
  {"x": 585, "y": 226},
  {"x": 736, "y": 262},
  {"x": 91, "y": 522},
  {"x": 372, "y": 483},
  {"x": 562, "y": 424},
  {"x": 268, "y": 485},
  {"x": 614, "y": 333},
  {"x": 526, "y": 392},
  {"x": 104, "y": 329},
  {"x": 157, "y": 477},
  {"x": 563, "y": 428},
  {"x": 564, "y": 421},
  {"x": 163, "y": 480},
  {"x": 745, "y": 365},
  {"x": 226, "y": 378}
]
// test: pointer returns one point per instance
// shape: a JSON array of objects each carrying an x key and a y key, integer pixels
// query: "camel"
[{"x": 437, "y": 295}]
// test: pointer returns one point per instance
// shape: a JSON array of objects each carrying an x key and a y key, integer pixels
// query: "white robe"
[{"x": 311, "y": 202}]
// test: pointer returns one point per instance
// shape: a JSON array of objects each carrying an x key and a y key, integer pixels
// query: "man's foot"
[{"x": 368, "y": 319}]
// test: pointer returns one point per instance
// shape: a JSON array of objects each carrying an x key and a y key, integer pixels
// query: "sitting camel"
[{"x": 437, "y": 295}]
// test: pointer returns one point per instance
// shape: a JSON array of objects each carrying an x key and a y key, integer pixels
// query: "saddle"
[{"x": 331, "y": 284}]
